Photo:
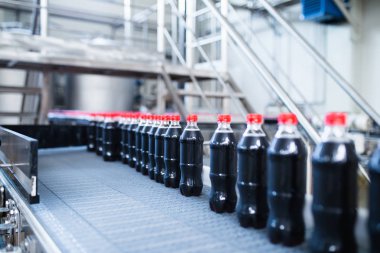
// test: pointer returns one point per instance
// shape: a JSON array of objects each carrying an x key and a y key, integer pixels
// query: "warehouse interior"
[{"x": 264, "y": 69}]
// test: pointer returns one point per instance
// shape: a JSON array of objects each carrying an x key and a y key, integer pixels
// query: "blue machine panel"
[{"x": 321, "y": 10}]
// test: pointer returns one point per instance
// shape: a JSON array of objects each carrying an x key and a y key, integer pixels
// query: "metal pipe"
[
  {"x": 350, "y": 91},
  {"x": 43, "y": 237},
  {"x": 265, "y": 73},
  {"x": 44, "y": 18}
]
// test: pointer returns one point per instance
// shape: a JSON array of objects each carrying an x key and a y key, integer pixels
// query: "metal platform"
[
  {"x": 53, "y": 54},
  {"x": 88, "y": 205}
]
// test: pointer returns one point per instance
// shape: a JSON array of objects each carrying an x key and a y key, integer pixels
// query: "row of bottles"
[{"x": 265, "y": 182}]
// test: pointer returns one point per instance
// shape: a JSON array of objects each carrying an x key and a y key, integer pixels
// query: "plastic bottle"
[
  {"x": 171, "y": 153},
  {"x": 152, "y": 132},
  {"x": 132, "y": 139},
  {"x": 138, "y": 142},
  {"x": 374, "y": 203},
  {"x": 335, "y": 166},
  {"x": 223, "y": 167},
  {"x": 252, "y": 207},
  {"x": 191, "y": 158},
  {"x": 91, "y": 132},
  {"x": 99, "y": 133},
  {"x": 159, "y": 149},
  {"x": 110, "y": 138},
  {"x": 145, "y": 144},
  {"x": 286, "y": 164},
  {"x": 124, "y": 151}
]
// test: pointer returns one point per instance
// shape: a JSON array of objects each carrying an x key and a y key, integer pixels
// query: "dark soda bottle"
[
  {"x": 124, "y": 148},
  {"x": 132, "y": 139},
  {"x": 110, "y": 138},
  {"x": 286, "y": 164},
  {"x": 99, "y": 133},
  {"x": 191, "y": 158},
  {"x": 252, "y": 207},
  {"x": 159, "y": 149},
  {"x": 335, "y": 191},
  {"x": 223, "y": 167},
  {"x": 374, "y": 203},
  {"x": 91, "y": 132},
  {"x": 152, "y": 132},
  {"x": 145, "y": 144},
  {"x": 138, "y": 142},
  {"x": 171, "y": 153}
]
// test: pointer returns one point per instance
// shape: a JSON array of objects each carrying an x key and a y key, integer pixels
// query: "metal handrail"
[
  {"x": 231, "y": 94},
  {"x": 344, "y": 84}
]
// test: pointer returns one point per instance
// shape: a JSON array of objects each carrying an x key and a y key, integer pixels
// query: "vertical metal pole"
[
  {"x": 161, "y": 91},
  {"x": 190, "y": 24},
  {"x": 127, "y": 20},
  {"x": 46, "y": 100},
  {"x": 44, "y": 18},
  {"x": 224, "y": 50}
]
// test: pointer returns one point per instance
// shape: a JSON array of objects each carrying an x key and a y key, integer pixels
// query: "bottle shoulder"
[
  {"x": 223, "y": 138},
  {"x": 335, "y": 152},
  {"x": 253, "y": 143},
  {"x": 287, "y": 146},
  {"x": 193, "y": 135},
  {"x": 173, "y": 132}
]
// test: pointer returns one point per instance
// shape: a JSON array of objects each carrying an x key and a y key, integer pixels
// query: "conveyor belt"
[{"x": 88, "y": 205}]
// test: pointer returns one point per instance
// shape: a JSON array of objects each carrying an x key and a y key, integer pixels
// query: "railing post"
[
  {"x": 44, "y": 18},
  {"x": 189, "y": 41},
  {"x": 161, "y": 91},
  {"x": 127, "y": 20},
  {"x": 224, "y": 50}
]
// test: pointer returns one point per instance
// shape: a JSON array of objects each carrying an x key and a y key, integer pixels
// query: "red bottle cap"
[
  {"x": 176, "y": 117},
  {"x": 336, "y": 119},
  {"x": 192, "y": 118},
  {"x": 287, "y": 118},
  {"x": 224, "y": 118},
  {"x": 255, "y": 118},
  {"x": 166, "y": 117}
]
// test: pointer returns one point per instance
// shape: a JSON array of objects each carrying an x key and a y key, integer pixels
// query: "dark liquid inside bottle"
[
  {"x": 171, "y": 157},
  {"x": 110, "y": 141},
  {"x": 191, "y": 162},
  {"x": 286, "y": 163},
  {"x": 145, "y": 149},
  {"x": 138, "y": 146},
  {"x": 124, "y": 146},
  {"x": 91, "y": 136},
  {"x": 132, "y": 144},
  {"x": 152, "y": 161},
  {"x": 252, "y": 207},
  {"x": 159, "y": 155},
  {"x": 99, "y": 138},
  {"x": 334, "y": 197},
  {"x": 374, "y": 203},
  {"x": 223, "y": 172}
]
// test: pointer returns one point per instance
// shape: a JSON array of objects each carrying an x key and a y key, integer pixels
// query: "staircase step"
[
  {"x": 209, "y": 94},
  {"x": 22, "y": 90}
]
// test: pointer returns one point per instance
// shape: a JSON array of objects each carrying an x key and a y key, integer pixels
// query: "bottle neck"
[
  {"x": 287, "y": 130},
  {"x": 334, "y": 133},
  {"x": 164, "y": 124},
  {"x": 224, "y": 127},
  {"x": 191, "y": 125},
  {"x": 254, "y": 129},
  {"x": 142, "y": 122},
  {"x": 174, "y": 123}
]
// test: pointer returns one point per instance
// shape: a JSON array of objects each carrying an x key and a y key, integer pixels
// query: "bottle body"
[
  {"x": 223, "y": 172},
  {"x": 99, "y": 137},
  {"x": 374, "y": 203},
  {"x": 286, "y": 164},
  {"x": 334, "y": 197},
  {"x": 110, "y": 141},
  {"x": 91, "y": 136},
  {"x": 159, "y": 154},
  {"x": 124, "y": 146},
  {"x": 151, "y": 144},
  {"x": 171, "y": 156},
  {"x": 145, "y": 149},
  {"x": 138, "y": 146},
  {"x": 252, "y": 207},
  {"x": 132, "y": 144},
  {"x": 191, "y": 162}
]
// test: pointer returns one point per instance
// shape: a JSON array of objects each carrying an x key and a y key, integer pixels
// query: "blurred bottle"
[
  {"x": 132, "y": 139},
  {"x": 110, "y": 138},
  {"x": 171, "y": 152},
  {"x": 252, "y": 207},
  {"x": 91, "y": 132},
  {"x": 223, "y": 167},
  {"x": 99, "y": 133},
  {"x": 145, "y": 144},
  {"x": 191, "y": 158},
  {"x": 138, "y": 141},
  {"x": 159, "y": 149},
  {"x": 152, "y": 132},
  {"x": 124, "y": 151},
  {"x": 374, "y": 202},
  {"x": 286, "y": 161}
]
